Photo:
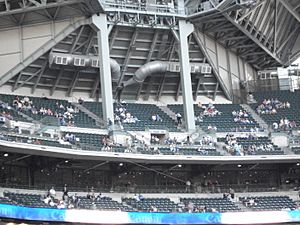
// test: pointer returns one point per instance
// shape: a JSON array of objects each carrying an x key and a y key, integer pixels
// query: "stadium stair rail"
[{"x": 100, "y": 122}]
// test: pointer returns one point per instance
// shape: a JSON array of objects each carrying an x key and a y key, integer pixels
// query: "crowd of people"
[
  {"x": 5, "y": 111},
  {"x": 121, "y": 114},
  {"x": 235, "y": 146},
  {"x": 210, "y": 110},
  {"x": 68, "y": 201},
  {"x": 65, "y": 114},
  {"x": 284, "y": 124},
  {"x": 242, "y": 117},
  {"x": 270, "y": 106}
]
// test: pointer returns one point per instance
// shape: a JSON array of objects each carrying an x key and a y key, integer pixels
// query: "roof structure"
[{"x": 263, "y": 33}]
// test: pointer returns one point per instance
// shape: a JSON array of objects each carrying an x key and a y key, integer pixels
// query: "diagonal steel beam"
[
  {"x": 56, "y": 81},
  {"x": 215, "y": 91},
  {"x": 39, "y": 77},
  {"x": 30, "y": 77},
  {"x": 286, "y": 40},
  {"x": 42, "y": 50},
  {"x": 128, "y": 55},
  {"x": 161, "y": 87},
  {"x": 17, "y": 81},
  {"x": 197, "y": 89},
  {"x": 76, "y": 40},
  {"x": 95, "y": 87},
  {"x": 290, "y": 9},
  {"x": 150, "y": 53},
  {"x": 254, "y": 39},
  {"x": 250, "y": 11},
  {"x": 73, "y": 84},
  {"x": 89, "y": 42},
  {"x": 113, "y": 38}
]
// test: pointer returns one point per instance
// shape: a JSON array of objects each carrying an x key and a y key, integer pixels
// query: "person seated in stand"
[
  {"x": 153, "y": 117},
  {"x": 80, "y": 101},
  {"x": 99, "y": 197}
]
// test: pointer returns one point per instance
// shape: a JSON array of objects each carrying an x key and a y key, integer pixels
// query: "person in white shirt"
[{"x": 52, "y": 192}]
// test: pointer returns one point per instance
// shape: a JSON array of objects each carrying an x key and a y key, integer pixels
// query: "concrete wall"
[
  {"x": 17, "y": 43},
  {"x": 232, "y": 68}
]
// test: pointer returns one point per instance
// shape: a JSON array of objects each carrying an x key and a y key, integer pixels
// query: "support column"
[
  {"x": 185, "y": 29},
  {"x": 100, "y": 23}
]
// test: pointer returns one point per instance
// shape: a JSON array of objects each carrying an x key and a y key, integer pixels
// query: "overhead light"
[
  {"x": 179, "y": 165},
  {"x": 298, "y": 164},
  {"x": 239, "y": 165},
  {"x": 5, "y": 154},
  {"x": 66, "y": 161},
  {"x": 121, "y": 164}
]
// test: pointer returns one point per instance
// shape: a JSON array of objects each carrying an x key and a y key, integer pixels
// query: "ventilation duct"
[
  {"x": 84, "y": 61},
  {"x": 162, "y": 67},
  {"x": 146, "y": 70}
]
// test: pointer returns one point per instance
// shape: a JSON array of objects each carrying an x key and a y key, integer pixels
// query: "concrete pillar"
[
  {"x": 185, "y": 29},
  {"x": 100, "y": 24},
  {"x": 180, "y": 7}
]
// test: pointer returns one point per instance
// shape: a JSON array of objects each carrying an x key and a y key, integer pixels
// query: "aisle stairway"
[
  {"x": 255, "y": 116},
  {"x": 99, "y": 121}
]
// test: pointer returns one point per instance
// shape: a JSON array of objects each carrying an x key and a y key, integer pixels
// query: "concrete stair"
[
  {"x": 168, "y": 111},
  {"x": 255, "y": 116},
  {"x": 99, "y": 122},
  {"x": 172, "y": 115}
]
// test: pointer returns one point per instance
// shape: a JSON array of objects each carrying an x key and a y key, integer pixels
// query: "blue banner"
[{"x": 118, "y": 217}]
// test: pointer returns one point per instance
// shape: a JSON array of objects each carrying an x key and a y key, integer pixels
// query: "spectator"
[
  {"x": 179, "y": 118},
  {"x": 80, "y": 101},
  {"x": 65, "y": 193},
  {"x": 52, "y": 192}
]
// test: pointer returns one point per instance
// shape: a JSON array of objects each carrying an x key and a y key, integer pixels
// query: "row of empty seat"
[{"x": 160, "y": 204}]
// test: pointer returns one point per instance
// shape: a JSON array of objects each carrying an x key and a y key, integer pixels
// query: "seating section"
[
  {"x": 145, "y": 205},
  {"x": 94, "y": 142},
  {"x": 7, "y": 111},
  {"x": 143, "y": 112},
  {"x": 296, "y": 150},
  {"x": 80, "y": 119},
  {"x": 88, "y": 139},
  {"x": 260, "y": 144},
  {"x": 94, "y": 107},
  {"x": 159, "y": 204},
  {"x": 268, "y": 202},
  {"x": 223, "y": 122},
  {"x": 218, "y": 204},
  {"x": 5, "y": 200},
  {"x": 105, "y": 203},
  {"x": 283, "y": 96},
  {"x": 203, "y": 151},
  {"x": 31, "y": 200},
  {"x": 36, "y": 141},
  {"x": 260, "y": 141}
]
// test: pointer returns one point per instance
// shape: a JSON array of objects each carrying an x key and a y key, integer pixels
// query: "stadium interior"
[{"x": 149, "y": 111}]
